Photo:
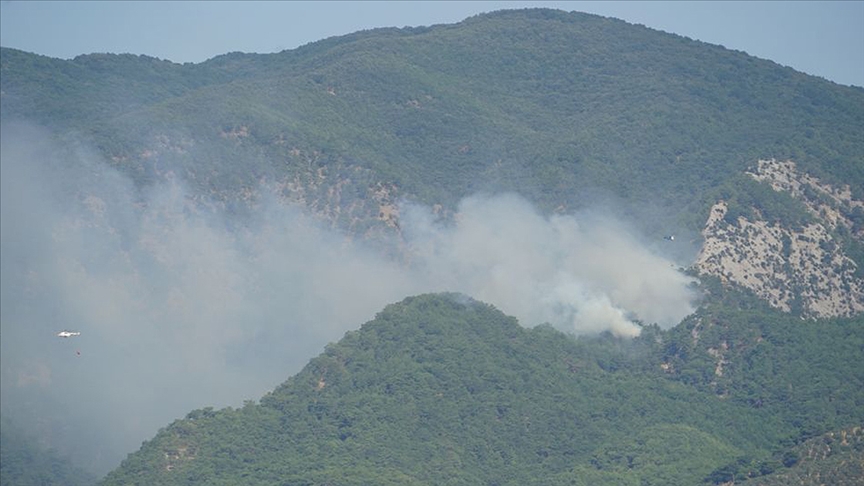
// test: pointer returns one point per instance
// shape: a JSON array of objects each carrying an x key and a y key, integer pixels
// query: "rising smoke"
[{"x": 182, "y": 307}]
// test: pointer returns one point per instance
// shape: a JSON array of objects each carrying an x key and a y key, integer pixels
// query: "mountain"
[
  {"x": 442, "y": 389},
  {"x": 747, "y": 175},
  {"x": 568, "y": 109},
  {"x": 544, "y": 102}
]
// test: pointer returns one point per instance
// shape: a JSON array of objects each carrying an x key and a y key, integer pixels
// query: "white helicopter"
[{"x": 68, "y": 334}]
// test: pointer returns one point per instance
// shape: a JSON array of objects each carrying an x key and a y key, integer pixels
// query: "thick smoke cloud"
[
  {"x": 182, "y": 307},
  {"x": 583, "y": 273}
]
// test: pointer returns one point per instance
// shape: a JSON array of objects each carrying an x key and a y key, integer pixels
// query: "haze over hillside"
[
  {"x": 179, "y": 306},
  {"x": 210, "y": 227}
]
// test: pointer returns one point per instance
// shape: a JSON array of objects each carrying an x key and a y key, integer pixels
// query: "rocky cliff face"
[{"x": 802, "y": 269}]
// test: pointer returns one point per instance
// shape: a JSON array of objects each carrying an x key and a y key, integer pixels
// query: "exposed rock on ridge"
[
  {"x": 794, "y": 269},
  {"x": 835, "y": 206}
]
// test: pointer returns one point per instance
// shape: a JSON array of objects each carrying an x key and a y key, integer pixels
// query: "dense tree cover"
[
  {"x": 835, "y": 458},
  {"x": 797, "y": 369},
  {"x": 548, "y": 103},
  {"x": 800, "y": 371},
  {"x": 441, "y": 389},
  {"x": 564, "y": 108}
]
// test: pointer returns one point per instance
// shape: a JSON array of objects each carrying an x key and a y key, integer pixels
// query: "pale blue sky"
[{"x": 822, "y": 38}]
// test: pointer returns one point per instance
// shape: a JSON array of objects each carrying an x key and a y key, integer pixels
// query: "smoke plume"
[
  {"x": 582, "y": 273},
  {"x": 181, "y": 306}
]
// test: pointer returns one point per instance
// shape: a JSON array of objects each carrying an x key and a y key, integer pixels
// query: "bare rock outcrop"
[{"x": 802, "y": 269}]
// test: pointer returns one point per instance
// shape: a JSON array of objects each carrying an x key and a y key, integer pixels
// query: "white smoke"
[
  {"x": 579, "y": 272},
  {"x": 181, "y": 307}
]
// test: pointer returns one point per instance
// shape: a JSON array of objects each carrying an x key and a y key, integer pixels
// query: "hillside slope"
[
  {"x": 547, "y": 103},
  {"x": 487, "y": 400},
  {"x": 441, "y": 389},
  {"x": 809, "y": 263},
  {"x": 754, "y": 168},
  {"x": 568, "y": 109},
  {"x": 835, "y": 458}
]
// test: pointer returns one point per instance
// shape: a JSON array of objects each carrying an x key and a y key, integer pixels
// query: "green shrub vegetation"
[
  {"x": 547, "y": 103},
  {"x": 441, "y": 389},
  {"x": 566, "y": 109}
]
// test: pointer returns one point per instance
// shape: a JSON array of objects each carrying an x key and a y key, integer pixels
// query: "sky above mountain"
[{"x": 821, "y": 38}]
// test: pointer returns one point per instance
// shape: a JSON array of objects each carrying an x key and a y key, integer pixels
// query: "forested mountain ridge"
[
  {"x": 544, "y": 102},
  {"x": 441, "y": 389},
  {"x": 756, "y": 166},
  {"x": 562, "y": 108}
]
